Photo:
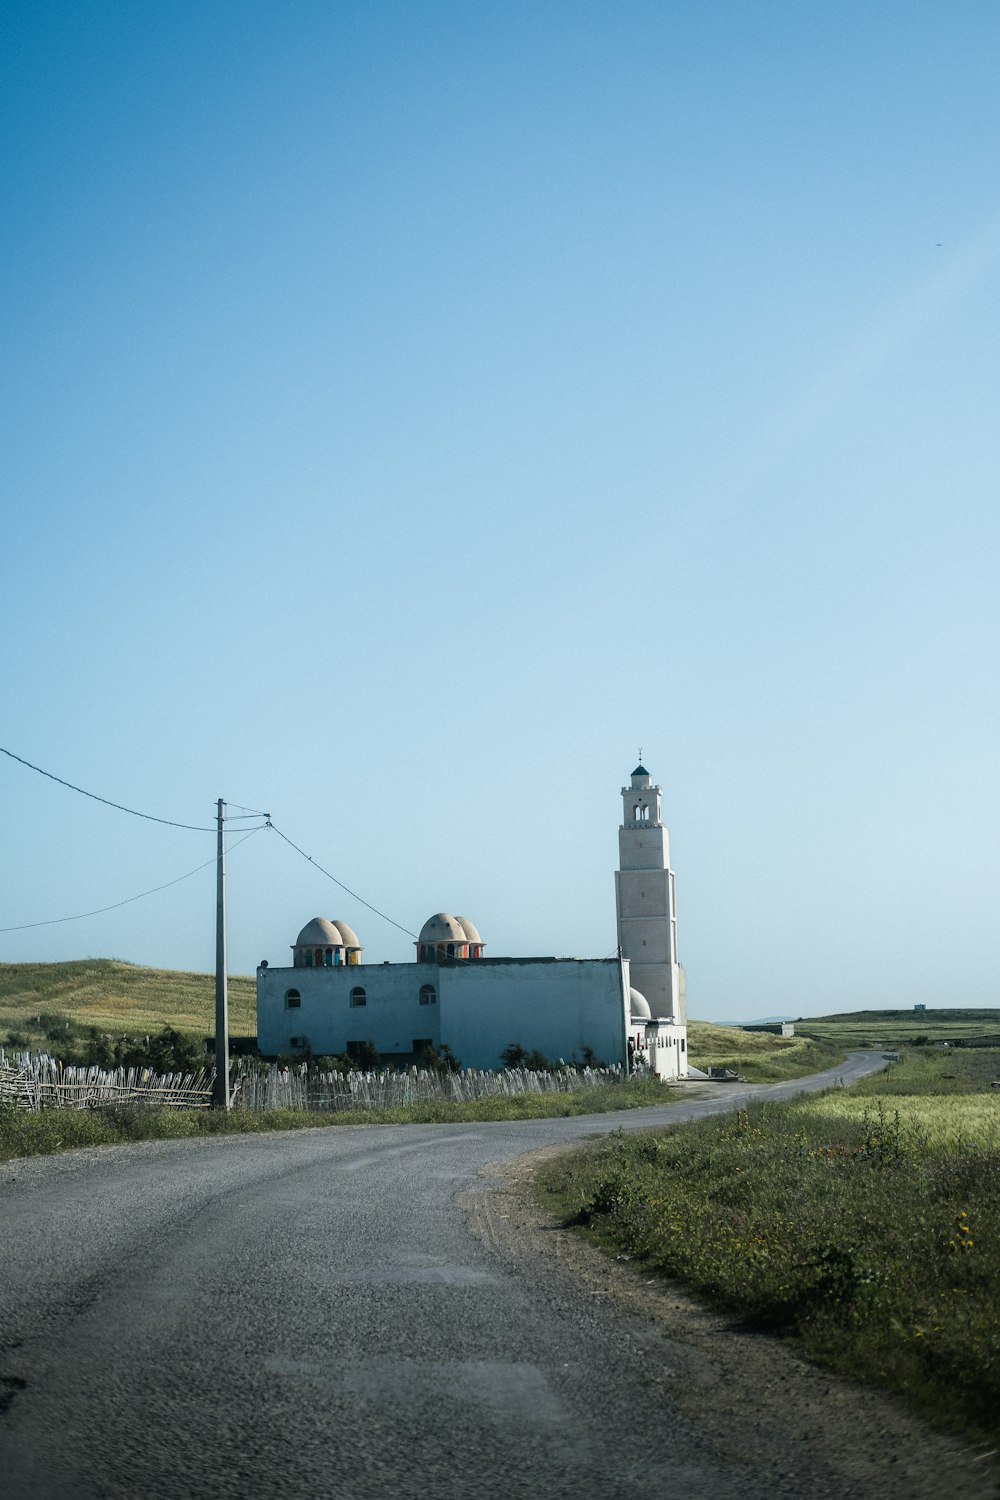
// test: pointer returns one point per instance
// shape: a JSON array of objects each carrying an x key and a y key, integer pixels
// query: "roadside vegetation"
[
  {"x": 863, "y": 1223},
  {"x": 39, "y": 1132},
  {"x": 28, "y": 1132}
]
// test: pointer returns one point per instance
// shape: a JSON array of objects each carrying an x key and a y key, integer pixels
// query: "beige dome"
[
  {"x": 349, "y": 936},
  {"x": 441, "y": 928},
  {"x": 319, "y": 933},
  {"x": 470, "y": 929},
  {"x": 639, "y": 1006}
]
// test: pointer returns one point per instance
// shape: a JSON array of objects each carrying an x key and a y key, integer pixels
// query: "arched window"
[
  {"x": 328, "y": 958},
  {"x": 428, "y": 995},
  {"x": 358, "y": 996},
  {"x": 451, "y": 950},
  {"x": 309, "y": 958},
  {"x": 293, "y": 1000}
]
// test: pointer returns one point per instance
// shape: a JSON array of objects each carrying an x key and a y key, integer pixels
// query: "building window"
[
  {"x": 293, "y": 1000},
  {"x": 358, "y": 996},
  {"x": 428, "y": 995},
  {"x": 309, "y": 958},
  {"x": 422, "y": 1045}
]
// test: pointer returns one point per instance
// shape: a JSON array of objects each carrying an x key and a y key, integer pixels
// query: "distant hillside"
[
  {"x": 117, "y": 997},
  {"x": 889, "y": 1028},
  {"x": 757, "y": 1055}
]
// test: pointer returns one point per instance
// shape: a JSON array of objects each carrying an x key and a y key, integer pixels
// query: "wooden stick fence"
[
  {"x": 41, "y": 1082},
  {"x": 298, "y": 1088},
  {"x": 33, "y": 1081}
]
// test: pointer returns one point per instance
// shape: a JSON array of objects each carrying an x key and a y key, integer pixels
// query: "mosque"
[{"x": 628, "y": 1010}]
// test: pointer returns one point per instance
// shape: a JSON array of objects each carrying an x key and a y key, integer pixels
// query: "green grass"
[
  {"x": 114, "y": 997},
  {"x": 758, "y": 1056},
  {"x": 865, "y": 1224},
  {"x": 34, "y": 1133},
  {"x": 900, "y": 1028}
]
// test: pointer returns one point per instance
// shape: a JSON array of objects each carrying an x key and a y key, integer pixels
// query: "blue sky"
[{"x": 411, "y": 410}]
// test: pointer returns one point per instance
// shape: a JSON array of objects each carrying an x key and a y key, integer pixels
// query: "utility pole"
[{"x": 221, "y": 1096}]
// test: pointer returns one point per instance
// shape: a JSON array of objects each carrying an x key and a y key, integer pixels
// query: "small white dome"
[
  {"x": 350, "y": 937},
  {"x": 470, "y": 929},
  {"x": 441, "y": 928},
  {"x": 319, "y": 933},
  {"x": 639, "y": 1006}
]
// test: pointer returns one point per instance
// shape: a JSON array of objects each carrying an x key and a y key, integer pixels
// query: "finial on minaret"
[{"x": 640, "y": 755}]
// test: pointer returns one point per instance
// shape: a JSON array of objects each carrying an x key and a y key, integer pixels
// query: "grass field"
[
  {"x": 36, "y": 1133},
  {"x": 758, "y": 1056},
  {"x": 115, "y": 997},
  {"x": 865, "y": 1224},
  {"x": 898, "y": 1028}
]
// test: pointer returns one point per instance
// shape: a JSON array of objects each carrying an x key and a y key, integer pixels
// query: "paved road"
[{"x": 308, "y": 1314}]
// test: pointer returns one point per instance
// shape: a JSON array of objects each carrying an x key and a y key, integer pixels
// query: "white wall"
[
  {"x": 558, "y": 1006},
  {"x": 666, "y": 1049}
]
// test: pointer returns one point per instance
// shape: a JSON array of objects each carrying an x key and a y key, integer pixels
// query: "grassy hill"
[
  {"x": 759, "y": 1056},
  {"x": 895, "y": 1028},
  {"x": 114, "y": 997}
]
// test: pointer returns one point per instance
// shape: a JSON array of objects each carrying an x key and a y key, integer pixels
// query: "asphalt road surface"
[{"x": 310, "y": 1314}]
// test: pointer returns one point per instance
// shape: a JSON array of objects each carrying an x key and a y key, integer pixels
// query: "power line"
[
  {"x": 54, "y": 921},
  {"x": 169, "y": 822},
  {"x": 386, "y": 918},
  {"x": 343, "y": 887},
  {"x": 456, "y": 958},
  {"x": 241, "y": 817}
]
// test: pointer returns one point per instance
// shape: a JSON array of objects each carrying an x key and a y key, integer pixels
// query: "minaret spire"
[{"x": 644, "y": 883}]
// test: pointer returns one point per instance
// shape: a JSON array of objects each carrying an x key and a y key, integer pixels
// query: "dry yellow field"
[{"x": 119, "y": 997}]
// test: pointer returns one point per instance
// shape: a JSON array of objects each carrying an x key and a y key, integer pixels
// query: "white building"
[
  {"x": 644, "y": 892},
  {"x": 331, "y": 1002}
]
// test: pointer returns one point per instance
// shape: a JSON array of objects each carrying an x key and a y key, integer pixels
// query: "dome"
[
  {"x": 470, "y": 929},
  {"x": 639, "y": 1006},
  {"x": 319, "y": 933},
  {"x": 348, "y": 935},
  {"x": 441, "y": 928}
]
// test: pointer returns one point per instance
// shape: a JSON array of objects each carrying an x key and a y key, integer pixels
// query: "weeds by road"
[
  {"x": 39, "y": 1132},
  {"x": 867, "y": 1227}
]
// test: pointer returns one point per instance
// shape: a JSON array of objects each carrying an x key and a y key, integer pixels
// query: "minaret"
[{"x": 644, "y": 888}]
